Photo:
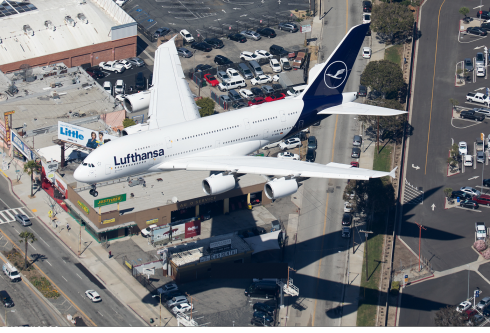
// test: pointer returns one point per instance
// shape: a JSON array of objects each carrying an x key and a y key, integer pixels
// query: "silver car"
[
  {"x": 177, "y": 300},
  {"x": 23, "y": 220},
  {"x": 183, "y": 52},
  {"x": 483, "y": 303},
  {"x": 251, "y": 34},
  {"x": 135, "y": 61},
  {"x": 223, "y": 76}
]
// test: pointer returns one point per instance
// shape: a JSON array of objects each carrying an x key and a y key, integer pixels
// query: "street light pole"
[
  {"x": 366, "y": 233},
  {"x": 420, "y": 238},
  {"x": 160, "y": 308}
]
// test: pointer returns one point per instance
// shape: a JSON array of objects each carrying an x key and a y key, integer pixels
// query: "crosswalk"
[
  {"x": 413, "y": 195},
  {"x": 8, "y": 215}
]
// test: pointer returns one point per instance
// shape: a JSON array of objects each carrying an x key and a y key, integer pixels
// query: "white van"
[
  {"x": 295, "y": 91},
  {"x": 11, "y": 272},
  {"x": 232, "y": 84}
]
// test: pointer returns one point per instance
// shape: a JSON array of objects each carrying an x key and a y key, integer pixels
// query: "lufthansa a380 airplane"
[{"x": 177, "y": 138}]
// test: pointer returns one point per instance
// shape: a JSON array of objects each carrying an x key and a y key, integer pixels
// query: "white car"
[
  {"x": 306, "y": 130},
  {"x": 470, "y": 190},
  {"x": 245, "y": 55},
  {"x": 261, "y": 79},
  {"x": 290, "y": 144},
  {"x": 234, "y": 74},
  {"x": 147, "y": 231},
  {"x": 121, "y": 98},
  {"x": 93, "y": 296},
  {"x": 125, "y": 63},
  {"x": 275, "y": 65},
  {"x": 288, "y": 155},
  {"x": 468, "y": 160},
  {"x": 271, "y": 145},
  {"x": 347, "y": 207},
  {"x": 119, "y": 87},
  {"x": 480, "y": 71},
  {"x": 366, "y": 18},
  {"x": 120, "y": 2},
  {"x": 275, "y": 78},
  {"x": 285, "y": 64},
  {"x": 167, "y": 288},
  {"x": 263, "y": 54},
  {"x": 463, "y": 306},
  {"x": 245, "y": 93},
  {"x": 366, "y": 52},
  {"x": 463, "y": 148},
  {"x": 187, "y": 36},
  {"x": 183, "y": 307},
  {"x": 108, "y": 86}
]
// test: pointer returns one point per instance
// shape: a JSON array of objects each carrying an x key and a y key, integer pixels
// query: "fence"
[{"x": 219, "y": 101}]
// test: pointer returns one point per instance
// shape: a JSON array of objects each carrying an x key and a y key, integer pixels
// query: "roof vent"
[
  {"x": 70, "y": 21},
  {"x": 49, "y": 25},
  {"x": 28, "y": 30},
  {"x": 82, "y": 18}
]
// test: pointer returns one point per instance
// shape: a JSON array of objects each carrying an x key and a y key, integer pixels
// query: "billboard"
[
  {"x": 60, "y": 185},
  {"x": 192, "y": 229},
  {"x": 178, "y": 232},
  {"x": 26, "y": 151},
  {"x": 110, "y": 200},
  {"x": 50, "y": 169},
  {"x": 82, "y": 136},
  {"x": 3, "y": 132},
  {"x": 161, "y": 234}
]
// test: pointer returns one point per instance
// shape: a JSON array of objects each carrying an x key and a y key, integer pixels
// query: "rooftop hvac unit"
[
  {"x": 28, "y": 30},
  {"x": 49, "y": 25},
  {"x": 82, "y": 18},
  {"x": 70, "y": 21}
]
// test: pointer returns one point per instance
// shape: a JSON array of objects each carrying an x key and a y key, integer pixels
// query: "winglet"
[{"x": 392, "y": 173}]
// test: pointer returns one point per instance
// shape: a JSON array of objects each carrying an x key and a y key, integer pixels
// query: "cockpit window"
[
  {"x": 84, "y": 164},
  {"x": 93, "y": 166}
]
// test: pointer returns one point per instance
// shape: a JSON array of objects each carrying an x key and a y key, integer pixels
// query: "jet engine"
[
  {"x": 219, "y": 183},
  {"x": 135, "y": 129},
  {"x": 137, "y": 102},
  {"x": 280, "y": 187}
]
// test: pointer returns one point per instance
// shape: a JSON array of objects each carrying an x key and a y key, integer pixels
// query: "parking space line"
[{"x": 471, "y": 210}]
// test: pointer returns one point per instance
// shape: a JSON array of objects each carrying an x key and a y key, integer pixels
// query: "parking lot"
[{"x": 128, "y": 76}]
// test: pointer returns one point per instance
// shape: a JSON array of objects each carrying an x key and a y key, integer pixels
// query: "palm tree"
[
  {"x": 30, "y": 167},
  {"x": 25, "y": 238}
]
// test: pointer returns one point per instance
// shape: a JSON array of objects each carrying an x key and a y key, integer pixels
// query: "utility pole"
[
  {"x": 420, "y": 238},
  {"x": 160, "y": 295},
  {"x": 192, "y": 305},
  {"x": 366, "y": 233},
  {"x": 80, "y": 240}
]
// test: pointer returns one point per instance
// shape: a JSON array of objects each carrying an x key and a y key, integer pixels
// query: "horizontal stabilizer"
[{"x": 361, "y": 109}]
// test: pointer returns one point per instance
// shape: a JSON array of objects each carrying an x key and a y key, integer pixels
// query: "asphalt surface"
[
  {"x": 128, "y": 76},
  {"x": 63, "y": 268}
]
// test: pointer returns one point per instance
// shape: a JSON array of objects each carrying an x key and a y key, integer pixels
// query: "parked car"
[
  {"x": 271, "y": 145},
  {"x": 367, "y": 6},
  {"x": 479, "y": 60},
  {"x": 107, "y": 86},
  {"x": 366, "y": 52},
  {"x": 346, "y": 219},
  {"x": 215, "y": 42},
  {"x": 480, "y": 157},
  {"x": 463, "y": 306},
  {"x": 183, "y": 52},
  {"x": 288, "y": 26},
  {"x": 357, "y": 141},
  {"x": 483, "y": 303},
  {"x": 468, "y": 64},
  {"x": 234, "y": 95},
  {"x": 312, "y": 143},
  {"x": 278, "y": 51},
  {"x": 475, "y": 320},
  {"x": 125, "y": 63},
  {"x": 202, "y": 47},
  {"x": 187, "y": 36},
  {"x": 275, "y": 97},
  {"x": 246, "y": 55},
  {"x": 476, "y": 31},
  {"x": 256, "y": 101},
  {"x": 245, "y": 93},
  {"x": 288, "y": 155},
  {"x": 285, "y": 64},
  {"x": 267, "y": 32},
  {"x": 233, "y": 73},
  {"x": 167, "y": 288},
  {"x": 276, "y": 67},
  {"x": 268, "y": 89},
  {"x": 356, "y": 153},
  {"x": 461, "y": 195},
  {"x": 264, "y": 317},
  {"x": 202, "y": 68},
  {"x": 263, "y": 54},
  {"x": 250, "y": 34},
  {"x": 139, "y": 81},
  {"x": 225, "y": 99},
  {"x": 222, "y": 60},
  {"x": 259, "y": 93},
  {"x": 211, "y": 80},
  {"x": 177, "y": 300},
  {"x": 469, "y": 204},
  {"x": 486, "y": 182},
  {"x": 462, "y": 148},
  {"x": 290, "y": 144},
  {"x": 470, "y": 190},
  {"x": 261, "y": 79},
  {"x": 310, "y": 155},
  {"x": 223, "y": 76},
  {"x": 95, "y": 73},
  {"x": 264, "y": 307},
  {"x": 119, "y": 87},
  {"x": 136, "y": 61},
  {"x": 93, "y": 296},
  {"x": 484, "y": 15},
  {"x": 239, "y": 104},
  {"x": 161, "y": 32},
  {"x": 183, "y": 307},
  {"x": 366, "y": 18},
  {"x": 468, "y": 160},
  {"x": 347, "y": 207},
  {"x": 237, "y": 38},
  {"x": 481, "y": 71},
  {"x": 6, "y": 299},
  {"x": 362, "y": 91},
  {"x": 354, "y": 164}
]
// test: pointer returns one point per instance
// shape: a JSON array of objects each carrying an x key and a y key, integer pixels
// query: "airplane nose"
[{"x": 78, "y": 175}]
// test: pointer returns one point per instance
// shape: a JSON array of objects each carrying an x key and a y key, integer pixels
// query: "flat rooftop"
[
  {"x": 160, "y": 189},
  {"x": 190, "y": 253},
  {"x": 17, "y": 45}
]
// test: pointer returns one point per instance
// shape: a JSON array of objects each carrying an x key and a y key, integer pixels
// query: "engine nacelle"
[
  {"x": 220, "y": 183},
  {"x": 135, "y": 129},
  {"x": 280, "y": 187},
  {"x": 137, "y": 102}
]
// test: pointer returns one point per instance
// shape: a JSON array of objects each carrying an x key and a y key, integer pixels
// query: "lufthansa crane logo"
[{"x": 335, "y": 74}]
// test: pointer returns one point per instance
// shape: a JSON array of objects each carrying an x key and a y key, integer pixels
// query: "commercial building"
[{"x": 44, "y": 32}]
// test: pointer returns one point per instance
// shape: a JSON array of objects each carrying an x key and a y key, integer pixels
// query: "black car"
[
  {"x": 367, "y": 6},
  {"x": 264, "y": 307},
  {"x": 214, "y": 42},
  {"x": 486, "y": 312},
  {"x": 362, "y": 91},
  {"x": 267, "y": 32},
  {"x": 310, "y": 155},
  {"x": 485, "y": 26},
  {"x": 161, "y": 32},
  {"x": 95, "y": 73},
  {"x": 140, "y": 81},
  {"x": 486, "y": 182},
  {"x": 202, "y": 68},
  {"x": 476, "y": 31},
  {"x": 471, "y": 114},
  {"x": 222, "y": 60},
  {"x": 346, "y": 219},
  {"x": 202, "y": 46},
  {"x": 469, "y": 204},
  {"x": 257, "y": 92},
  {"x": 259, "y": 322},
  {"x": 484, "y": 15},
  {"x": 460, "y": 194},
  {"x": 172, "y": 294},
  {"x": 6, "y": 300},
  {"x": 239, "y": 104},
  {"x": 368, "y": 32},
  {"x": 312, "y": 144},
  {"x": 277, "y": 86},
  {"x": 264, "y": 317},
  {"x": 237, "y": 38}
]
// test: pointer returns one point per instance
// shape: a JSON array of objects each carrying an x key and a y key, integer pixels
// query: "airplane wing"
[
  {"x": 273, "y": 166},
  {"x": 171, "y": 100},
  {"x": 361, "y": 109}
]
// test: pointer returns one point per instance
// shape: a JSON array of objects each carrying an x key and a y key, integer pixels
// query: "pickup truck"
[
  {"x": 112, "y": 66},
  {"x": 471, "y": 114},
  {"x": 478, "y": 98},
  {"x": 481, "y": 230},
  {"x": 298, "y": 61},
  {"x": 147, "y": 231}
]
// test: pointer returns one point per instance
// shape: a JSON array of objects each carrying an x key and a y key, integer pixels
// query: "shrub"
[
  {"x": 480, "y": 245},
  {"x": 395, "y": 287},
  {"x": 486, "y": 254}
]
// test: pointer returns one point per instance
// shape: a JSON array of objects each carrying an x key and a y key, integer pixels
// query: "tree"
[
  {"x": 128, "y": 122},
  {"x": 454, "y": 102},
  {"x": 25, "y": 238},
  {"x": 383, "y": 76},
  {"x": 390, "y": 127},
  {"x": 448, "y": 316},
  {"x": 392, "y": 21},
  {"x": 206, "y": 106},
  {"x": 30, "y": 167},
  {"x": 448, "y": 191},
  {"x": 464, "y": 11}
]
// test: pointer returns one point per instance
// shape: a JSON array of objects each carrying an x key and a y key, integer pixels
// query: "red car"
[
  {"x": 211, "y": 79},
  {"x": 256, "y": 101},
  {"x": 275, "y": 97},
  {"x": 354, "y": 164}
]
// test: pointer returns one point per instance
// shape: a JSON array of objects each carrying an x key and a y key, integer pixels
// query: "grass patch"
[
  {"x": 368, "y": 298},
  {"x": 394, "y": 54},
  {"x": 382, "y": 161}
]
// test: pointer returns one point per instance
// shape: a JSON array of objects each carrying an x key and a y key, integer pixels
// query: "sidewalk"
[{"x": 94, "y": 256}]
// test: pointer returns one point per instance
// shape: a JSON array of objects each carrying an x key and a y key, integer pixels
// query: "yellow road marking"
[
  {"x": 432, "y": 96},
  {"x": 4, "y": 173}
]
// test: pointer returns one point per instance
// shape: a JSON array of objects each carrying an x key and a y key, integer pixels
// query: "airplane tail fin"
[{"x": 331, "y": 79}]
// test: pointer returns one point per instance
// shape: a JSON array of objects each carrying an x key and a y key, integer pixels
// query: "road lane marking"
[
  {"x": 39, "y": 237},
  {"x": 433, "y": 80},
  {"x": 43, "y": 301},
  {"x": 64, "y": 278},
  {"x": 79, "y": 276},
  {"x": 49, "y": 263}
]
